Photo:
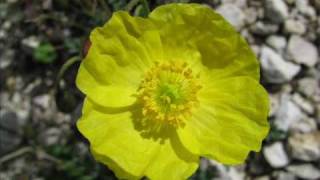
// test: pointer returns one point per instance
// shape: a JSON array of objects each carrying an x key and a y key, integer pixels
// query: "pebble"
[
  {"x": 304, "y": 125},
  {"x": 294, "y": 27},
  {"x": 278, "y": 43},
  {"x": 9, "y": 131},
  {"x": 233, "y": 14},
  {"x": 275, "y": 68},
  {"x": 305, "y": 147},
  {"x": 304, "y": 7},
  {"x": 239, "y": 3},
  {"x": 276, "y": 155},
  {"x": 305, "y": 171},
  {"x": 282, "y": 175},
  {"x": 309, "y": 87},
  {"x": 31, "y": 42},
  {"x": 50, "y": 136},
  {"x": 276, "y": 10},
  {"x": 303, "y": 103},
  {"x": 302, "y": 51},
  {"x": 263, "y": 28},
  {"x": 287, "y": 114}
]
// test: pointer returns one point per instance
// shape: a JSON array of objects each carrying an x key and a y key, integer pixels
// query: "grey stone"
[
  {"x": 239, "y": 3},
  {"x": 276, "y": 155},
  {"x": 275, "y": 68},
  {"x": 302, "y": 51},
  {"x": 305, "y": 147},
  {"x": 303, "y": 103},
  {"x": 287, "y": 114},
  {"x": 251, "y": 15},
  {"x": 263, "y": 28},
  {"x": 233, "y": 14},
  {"x": 304, "y": 125},
  {"x": 309, "y": 87},
  {"x": 31, "y": 42},
  {"x": 6, "y": 58},
  {"x": 50, "y": 136},
  {"x": 18, "y": 104},
  {"x": 282, "y": 175},
  {"x": 9, "y": 131},
  {"x": 42, "y": 100},
  {"x": 304, "y": 7},
  {"x": 278, "y": 43},
  {"x": 276, "y": 11},
  {"x": 294, "y": 27},
  {"x": 305, "y": 171}
]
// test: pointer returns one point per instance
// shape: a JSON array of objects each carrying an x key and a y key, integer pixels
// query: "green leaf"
[{"x": 45, "y": 53}]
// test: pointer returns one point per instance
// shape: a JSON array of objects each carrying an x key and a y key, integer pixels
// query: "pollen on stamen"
[{"x": 168, "y": 93}]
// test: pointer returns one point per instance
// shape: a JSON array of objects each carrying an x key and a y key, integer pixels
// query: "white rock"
[
  {"x": 278, "y": 43},
  {"x": 302, "y": 51},
  {"x": 228, "y": 173},
  {"x": 303, "y": 103},
  {"x": 42, "y": 101},
  {"x": 304, "y": 8},
  {"x": 287, "y": 114},
  {"x": 305, "y": 171},
  {"x": 31, "y": 42},
  {"x": 275, "y": 68},
  {"x": 276, "y": 10},
  {"x": 276, "y": 155},
  {"x": 304, "y": 125},
  {"x": 310, "y": 88},
  {"x": 251, "y": 15},
  {"x": 239, "y": 3},
  {"x": 6, "y": 58},
  {"x": 263, "y": 28},
  {"x": 50, "y": 136},
  {"x": 19, "y": 104},
  {"x": 305, "y": 147},
  {"x": 294, "y": 27},
  {"x": 282, "y": 175},
  {"x": 233, "y": 14}
]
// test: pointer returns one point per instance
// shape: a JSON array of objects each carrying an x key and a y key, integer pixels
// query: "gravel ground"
[{"x": 38, "y": 138}]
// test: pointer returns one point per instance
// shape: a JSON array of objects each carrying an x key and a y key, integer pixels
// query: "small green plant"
[{"x": 45, "y": 53}]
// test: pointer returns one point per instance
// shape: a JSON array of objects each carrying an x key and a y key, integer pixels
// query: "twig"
[{"x": 15, "y": 154}]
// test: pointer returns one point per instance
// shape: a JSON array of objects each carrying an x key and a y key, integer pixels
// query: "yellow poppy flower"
[{"x": 164, "y": 90}]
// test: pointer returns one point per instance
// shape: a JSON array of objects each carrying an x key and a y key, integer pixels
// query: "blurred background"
[{"x": 41, "y": 45}]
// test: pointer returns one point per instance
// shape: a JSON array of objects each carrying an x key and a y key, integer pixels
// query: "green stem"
[
  {"x": 131, "y": 5},
  {"x": 146, "y": 6},
  {"x": 66, "y": 66}
]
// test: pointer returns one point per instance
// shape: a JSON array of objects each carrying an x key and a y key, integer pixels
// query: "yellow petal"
[
  {"x": 198, "y": 27},
  {"x": 121, "y": 52},
  {"x": 230, "y": 122},
  {"x": 116, "y": 142},
  {"x": 104, "y": 95}
]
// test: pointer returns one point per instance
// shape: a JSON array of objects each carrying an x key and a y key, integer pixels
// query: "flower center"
[{"x": 168, "y": 92}]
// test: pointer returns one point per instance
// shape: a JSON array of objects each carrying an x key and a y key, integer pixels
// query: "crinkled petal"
[
  {"x": 198, "y": 27},
  {"x": 120, "y": 53},
  {"x": 111, "y": 95},
  {"x": 230, "y": 121},
  {"x": 117, "y": 143}
]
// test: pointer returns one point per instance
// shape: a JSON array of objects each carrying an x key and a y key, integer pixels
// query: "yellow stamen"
[{"x": 168, "y": 93}]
